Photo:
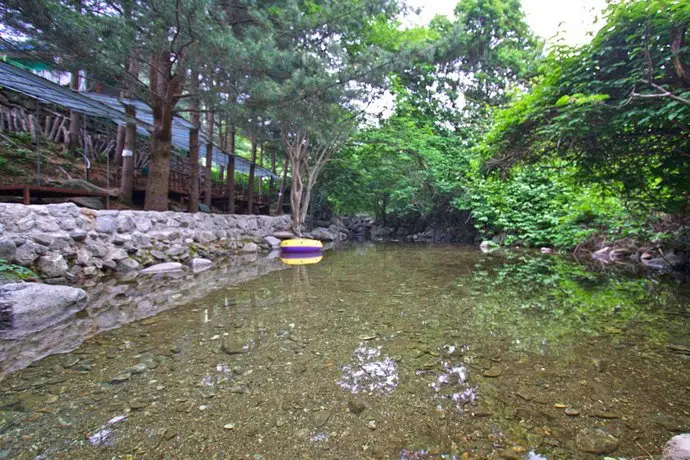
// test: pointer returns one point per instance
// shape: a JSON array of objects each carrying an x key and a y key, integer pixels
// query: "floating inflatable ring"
[{"x": 301, "y": 245}]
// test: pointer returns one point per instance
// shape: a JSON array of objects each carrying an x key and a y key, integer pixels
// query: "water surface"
[{"x": 404, "y": 352}]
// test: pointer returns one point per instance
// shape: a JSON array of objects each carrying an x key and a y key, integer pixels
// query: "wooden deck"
[
  {"x": 179, "y": 187},
  {"x": 27, "y": 191}
]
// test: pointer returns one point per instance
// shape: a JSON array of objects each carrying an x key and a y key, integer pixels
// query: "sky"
[{"x": 573, "y": 18}]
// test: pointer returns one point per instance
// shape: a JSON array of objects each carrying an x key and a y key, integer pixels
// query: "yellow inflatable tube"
[{"x": 301, "y": 245}]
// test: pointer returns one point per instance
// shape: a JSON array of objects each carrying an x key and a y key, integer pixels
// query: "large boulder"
[
  {"x": 678, "y": 448},
  {"x": 31, "y": 307}
]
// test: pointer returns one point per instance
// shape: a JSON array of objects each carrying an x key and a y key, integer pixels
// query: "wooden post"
[
  {"x": 38, "y": 143},
  {"x": 107, "y": 180},
  {"x": 231, "y": 171},
  {"x": 209, "y": 159},
  {"x": 27, "y": 196},
  {"x": 250, "y": 185}
]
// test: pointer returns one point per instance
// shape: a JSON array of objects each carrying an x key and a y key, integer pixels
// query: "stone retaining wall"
[{"x": 63, "y": 241}]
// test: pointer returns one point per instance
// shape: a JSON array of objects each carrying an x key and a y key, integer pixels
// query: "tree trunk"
[
  {"x": 250, "y": 186},
  {"x": 130, "y": 144},
  {"x": 281, "y": 190},
  {"x": 74, "y": 116},
  {"x": 221, "y": 175},
  {"x": 165, "y": 92},
  {"x": 296, "y": 193},
  {"x": 193, "y": 205},
  {"x": 209, "y": 160},
  {"x": 271, "y": 183},
  {"x": 127, "y": 176},
  {"x": 231, "y": 171},
  {"x": 119, "y": 145}
]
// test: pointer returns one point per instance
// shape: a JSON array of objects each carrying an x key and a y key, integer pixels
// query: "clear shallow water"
[{"x": 401, "y": 352}]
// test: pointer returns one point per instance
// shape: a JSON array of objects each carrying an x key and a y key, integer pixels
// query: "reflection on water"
[
  {"x": 301, "y": 258},
  {"x": 410, "y": 352}
]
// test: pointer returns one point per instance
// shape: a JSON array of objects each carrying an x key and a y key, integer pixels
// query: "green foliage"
[
  {"x": 15, "y": 272},
  {"x": 592, "y": 108},
  {"x": 543, "y": 204}
]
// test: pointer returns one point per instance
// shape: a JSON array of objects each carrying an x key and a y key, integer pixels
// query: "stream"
[{"x": 378, "y": 351}]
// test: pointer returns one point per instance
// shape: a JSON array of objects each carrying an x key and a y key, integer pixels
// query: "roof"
[
  {"x": 180, "y": 132},
  {"x": 111, "y": 108}
]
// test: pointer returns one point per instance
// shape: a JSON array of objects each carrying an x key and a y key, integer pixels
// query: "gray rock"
[
  {"x": 83, "y": 256},
  {"x": 116, "y": 254},
  {"x": 596, "y": 441},
  {"x": 121, "y": 377},
  {"x": 97, "y": 249},
  {"x": 143, "y": 224},
  {"x": 52, "y": 265},
  {"x": 272, "y": 241},
  {"x": 31, "y": 307},
  {"x": 250, "y": 247},
  {"x": 175, "y": 250},
  {"x": 138, "y": 368},
  {"x": 199, "y": 264},
  {"x": 90, "y": 202},
  {"x": 125, "y": 223},
  {"x": 61, "y": 243},
  {"x": 204, "y": 237},
  {"x": 127, "y": 265},
  {"x": 158, "y": 254},
  {"x": 110, "y": 263},
  {"x": 678, "y": 448},
  {"x": 78, "y": 235},
  {"x": 121, "y": 238},
  {"x": 43, "y": 239},
  {"x": 25, "y": 224},
  {"x": 62, "y": 210},
  {"x": 321, "y": 418},
  {"x": 67, "y": 223},
  {"x": 7, "y": 249},
  {"x": 27, "y": 253},
  {"x": 105, "y": 224},
  {"x": 323, "y": 235},
  {"x": 47, "y": 224},
  {"x": 162, "y": 268},
  {"x": 283, "y": 235},
  {"x": 90, "y": 271}
]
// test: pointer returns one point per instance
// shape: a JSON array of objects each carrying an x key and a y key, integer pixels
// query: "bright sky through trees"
[{"x": 573, "y": 18}]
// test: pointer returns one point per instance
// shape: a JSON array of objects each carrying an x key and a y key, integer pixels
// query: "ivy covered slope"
[{"x": 579, "y": 145}]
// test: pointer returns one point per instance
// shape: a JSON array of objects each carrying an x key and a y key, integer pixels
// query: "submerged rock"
[
  {"x": 250, "y": 247},
  {"x": 31, "y": 307},
  {"x": 356, "y": 405},
  {"x": 596, "y": 441}
]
